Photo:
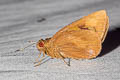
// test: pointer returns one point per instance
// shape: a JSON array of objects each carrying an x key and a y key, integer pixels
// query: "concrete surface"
[{"x": 23, "y": 20}]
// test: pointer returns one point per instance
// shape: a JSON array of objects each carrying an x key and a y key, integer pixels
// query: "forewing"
[
  {"x": 97, "y": 22},
  {"x": 83, "y": 44}
]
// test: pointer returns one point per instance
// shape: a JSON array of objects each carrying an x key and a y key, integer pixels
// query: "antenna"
[{"x": 21, "y": 49}]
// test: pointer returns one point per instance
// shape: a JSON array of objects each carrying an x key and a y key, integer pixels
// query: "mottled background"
[{"x": 23, "y": 20}]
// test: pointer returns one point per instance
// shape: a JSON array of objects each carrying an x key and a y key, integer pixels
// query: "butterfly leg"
[
  {"x": 37, "y": 60},
  {"x": 40, "y": 60},
  {"x": 68, "y": 63}
]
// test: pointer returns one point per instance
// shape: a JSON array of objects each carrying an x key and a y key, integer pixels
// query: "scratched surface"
[{"x": 24, "y": 20}]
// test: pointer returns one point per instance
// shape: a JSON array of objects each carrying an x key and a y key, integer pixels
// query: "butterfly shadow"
[{"x": 111, "y": 42}]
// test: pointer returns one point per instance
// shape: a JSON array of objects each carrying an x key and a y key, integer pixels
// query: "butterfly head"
[{"x": 41, "y": 44}]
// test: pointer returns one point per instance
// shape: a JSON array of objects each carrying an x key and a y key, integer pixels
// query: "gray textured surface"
[{"x": 19, "y": 23}]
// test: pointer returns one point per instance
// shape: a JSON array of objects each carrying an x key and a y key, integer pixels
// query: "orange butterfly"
[{"x": 80, "y": 40}]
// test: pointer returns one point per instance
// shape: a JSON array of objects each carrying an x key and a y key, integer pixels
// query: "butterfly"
[{"x": 81, "y": 39}]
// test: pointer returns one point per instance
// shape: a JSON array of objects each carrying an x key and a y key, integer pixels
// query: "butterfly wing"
[
  {"x": 97, "y": 22},
  {"x": 78, "y": 44}
]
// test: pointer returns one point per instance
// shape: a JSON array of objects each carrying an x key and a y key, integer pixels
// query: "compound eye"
[{"x": 41, "y": 44}]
